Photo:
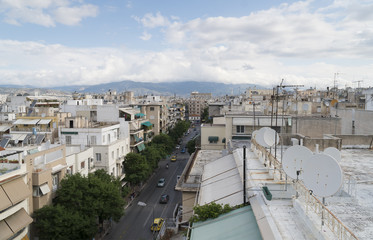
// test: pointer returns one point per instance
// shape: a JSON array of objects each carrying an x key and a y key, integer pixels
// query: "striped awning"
[{"x": 44, "y": 121}]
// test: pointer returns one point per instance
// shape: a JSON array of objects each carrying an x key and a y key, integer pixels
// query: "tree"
[
  {"x": 63, "y": 223},
  {"x": 205, "y": 115},
  {"x": 97, "y": 196},
  {"x": 136, "y": 168},
  {"x": 164, "y": 140},
  {"x": 153, "y": 154},
  {"x": 191, "y": 145},
  {"x": 209, "y": 211}
]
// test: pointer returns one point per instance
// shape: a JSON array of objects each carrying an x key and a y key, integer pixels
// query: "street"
[{"x": 136, "y": 222}]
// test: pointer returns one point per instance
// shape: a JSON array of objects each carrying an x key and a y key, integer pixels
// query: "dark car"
[
  {"x": 183, "y": 150},
  {"x": 164, "y": 198}
]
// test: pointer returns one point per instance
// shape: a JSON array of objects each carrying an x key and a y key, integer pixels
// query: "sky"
[{"x": 49, "y": 43}]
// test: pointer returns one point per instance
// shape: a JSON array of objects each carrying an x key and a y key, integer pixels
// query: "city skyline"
[{"x": 66, "y": 42}]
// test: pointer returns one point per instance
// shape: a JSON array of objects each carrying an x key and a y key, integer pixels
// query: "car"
[
  {"x": 183, "y": 150},
  {"x": 177, "y": 146},
  {"x": 161, "y": 182},
  {"x": 157, "y": 224},
  {"x": 173, "y": 158},
  {"x": 164, "y": 198}
]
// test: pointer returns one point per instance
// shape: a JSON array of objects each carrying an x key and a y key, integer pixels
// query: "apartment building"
[
  {"x": 15, "y": 196},
  {"x": 108, "y": 145}
]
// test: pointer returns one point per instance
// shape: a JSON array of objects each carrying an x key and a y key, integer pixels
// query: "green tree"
[
  {"x": 63, "y": 223},
  {"x": 97, "y": 196},
  {"x": 136, "y": 168},
  {"x": 209, "y": 211},
  {"x": 191, "y": 145},
  {"x": 153, "y": 154},
  {"x": 164, "y": 140},
  {"x": 205, "y": 115}
]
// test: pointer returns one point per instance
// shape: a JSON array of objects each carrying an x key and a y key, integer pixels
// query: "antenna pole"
[{"x": 244, "y": 175}]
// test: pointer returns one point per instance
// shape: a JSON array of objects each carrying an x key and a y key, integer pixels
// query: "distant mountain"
[{"x": 164, "y": 88}]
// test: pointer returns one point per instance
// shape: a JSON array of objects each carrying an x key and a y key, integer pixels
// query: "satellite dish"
[
  {"x": 293, "y": 160},
  {"x": 305, "y": 107},
  {"x": 270, "y": 137},
  {"x": 253, "y": 135},
  {"x": 334, "y": 102},
  {"x": 322, "y": 175},
  {"x": 333, "y": 152},
  {"x": 260, "y": 137},
  {"x": 327, "y": 103}
]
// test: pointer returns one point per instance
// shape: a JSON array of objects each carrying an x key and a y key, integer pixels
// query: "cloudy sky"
[{"x": 71, "y": 42}]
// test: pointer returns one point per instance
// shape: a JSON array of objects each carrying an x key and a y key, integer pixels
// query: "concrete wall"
[
  {"x": 316, "y": 127},
  {"x": 360, "y": 141},
  {"x": 212, "y": 130},
  {"x": 361, "y": 119},
  {"x": 188, "y": 204}
]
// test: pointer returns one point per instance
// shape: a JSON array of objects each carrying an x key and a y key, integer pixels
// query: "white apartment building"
[{"x": 109, "y": 146}]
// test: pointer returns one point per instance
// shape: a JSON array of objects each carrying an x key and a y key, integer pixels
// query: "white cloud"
[
  {"x": 292, "y": 41},
  {"x": 74, "y": 15},
  {"x": 152, "y": 21},
  {"x": 129, "y": 4},
  {"x": 46, "y": 12},
  {"x": 146, "y": 36}
]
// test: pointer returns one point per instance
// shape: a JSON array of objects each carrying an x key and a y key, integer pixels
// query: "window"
[
  {"x": 41, "y": 190},
  {"x": 82, "y": 165},
  {"x": 103, "y": 139},
  {"x": 108, "y": 138},
  {"x": 117, "y": 152},
  {"x": 122, "y": 150},
  {"x": 93, "y": 140},
  {"x": 112, "y": 154},
  {"x": 98, "y": 157},
  {"x": 115, "y": 135},
  {"x": 151, "y": 108},
  {"x": 68, "y": 140},
  {"x": 240, "y": 129},
  {"x": 55, "y": 181}
]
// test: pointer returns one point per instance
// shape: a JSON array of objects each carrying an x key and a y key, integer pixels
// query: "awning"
[
  {"x": 147, "y": 123},
  {"x": 18, "y": 220},
  {"x": 139, "y": 115},
  {"x": 16, "y": 190},
  {"x": 4, "y": 200},
  {"x": 141, "y": 147},
  {"x": 44, "y": 121},
  {"x": 137, "y": 139},
  {"x": 5, "y": 230},
  {"x": 18, "y": 136},
  {"x": 27, "y": 121},
  {"x": 4, "y": 128},
  {"x": 213, "y": 139},
  {"x": 44, "y": 188},
  {"x": 58, "y": 168}
]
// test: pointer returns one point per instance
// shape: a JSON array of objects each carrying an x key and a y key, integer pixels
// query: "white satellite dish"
[
  {"x": 327, "y": 103},
  {"x": 334, "y": 152},
  {"x": 293, "y": 160},
  {"x": 322, "y": 175},
  {"x": 253, "y": 135},
  {"x": 260, "y": 137},
  {"x": 270, "y": 137}
]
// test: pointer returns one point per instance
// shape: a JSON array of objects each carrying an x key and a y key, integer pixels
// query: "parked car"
[
  {"x": 161, "y": 182},
  {"x": 177, "y": 146},
  {"x": 157, "y": 224},
  {"x": 164, "y": 198},
  {"x": 173, "y": 158},
  {"x": 183, "y": 150}
]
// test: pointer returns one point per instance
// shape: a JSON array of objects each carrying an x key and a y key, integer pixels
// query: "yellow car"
[
  {"x": 157, "y": 224},
  {"x": 173, "y": 159}
]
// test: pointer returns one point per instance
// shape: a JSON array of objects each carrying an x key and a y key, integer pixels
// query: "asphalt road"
[{"x": 136, "y": 222}]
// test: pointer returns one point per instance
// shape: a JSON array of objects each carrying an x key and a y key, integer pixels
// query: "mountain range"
[
  {"x": 163, "y": 88},
  {"x": 147, "y": 88}
]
